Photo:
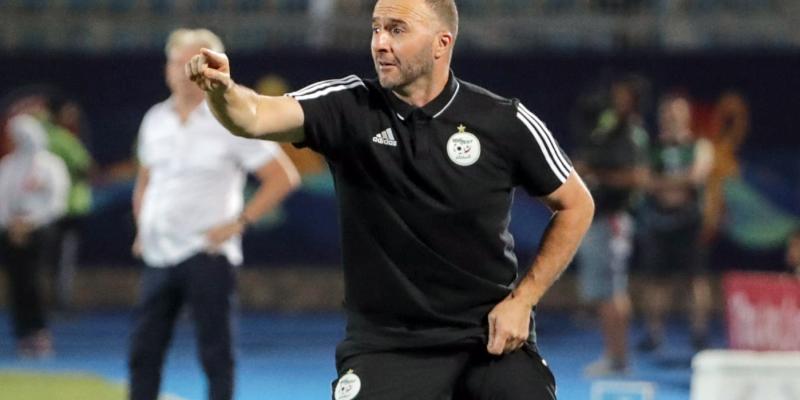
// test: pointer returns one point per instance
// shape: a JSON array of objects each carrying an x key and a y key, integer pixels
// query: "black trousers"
[
  {"x": 456, "y": 373},
  {"x": 207, "y": 284},
  {"x": 65, "y": 262},
  {"x": 23, "y": 266}
]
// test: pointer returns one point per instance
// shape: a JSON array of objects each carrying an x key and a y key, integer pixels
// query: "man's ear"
[{"x": 443, "y": 44}]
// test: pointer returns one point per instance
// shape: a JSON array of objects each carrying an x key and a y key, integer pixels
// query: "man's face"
[
  {"x": 403, "y": 34},
  {"x": 177, "y": 81},
  {"x": 674, "y": 119},
  {"x": 622, "y": 98},
  {"x": 793, "y": 252}
]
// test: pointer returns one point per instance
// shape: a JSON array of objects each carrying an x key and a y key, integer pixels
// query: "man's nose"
[{"x": 380, "y": 42}]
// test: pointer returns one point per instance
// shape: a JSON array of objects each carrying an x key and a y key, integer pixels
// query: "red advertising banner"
[{"x": 762, "y": 310}]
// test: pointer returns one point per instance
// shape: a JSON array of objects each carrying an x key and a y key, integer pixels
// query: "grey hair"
[{"x": 199, "y": 37}]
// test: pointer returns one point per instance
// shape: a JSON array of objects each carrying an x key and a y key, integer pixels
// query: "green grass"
[{"x": 19, "y": 385}]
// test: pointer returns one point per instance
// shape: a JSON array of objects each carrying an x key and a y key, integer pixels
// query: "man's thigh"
[
  {"x": 400, "y": 375},
  {"x": 520, "y": 375}
]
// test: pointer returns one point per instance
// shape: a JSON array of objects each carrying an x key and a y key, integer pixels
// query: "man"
[
  {"x": 47, "y": 105},
  {"x": 188, "y": 203},
  {"x": 34, "y": 187},
  {"x": 68, "y": 145},
  {"x": 672, "y": 220},
  {"x": 425, "y": 166},
  {"x": 793, "y": 253},
  {"x": 613, "y": 159}
]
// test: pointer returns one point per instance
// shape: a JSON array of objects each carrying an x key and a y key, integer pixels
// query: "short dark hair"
[
  {"x": 638, "y": 86},
  {"x": 446, "y": 10}
]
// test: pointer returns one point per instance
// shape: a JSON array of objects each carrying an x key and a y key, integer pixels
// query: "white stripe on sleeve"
[
  {"x": 329, "y": 90},
  {"x": 550, "y": 143},
  {"x": 314, "y": 87},
  {"x": 556, "y": 171}
]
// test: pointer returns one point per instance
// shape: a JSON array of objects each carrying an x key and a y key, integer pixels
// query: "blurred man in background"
[
  {"x": 671, "y": 223},
  {"x": 793, "y": 252},
  {"x": 613, "y": 159},
  {"x": 425, "y": 166},
  {"x": 190, "y": 213},
  {"x": 33, "y": 188},
  {"x": 62, "y": 121},
  {"x": 58, "y": 115}
]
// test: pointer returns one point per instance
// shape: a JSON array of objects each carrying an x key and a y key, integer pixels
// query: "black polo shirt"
[{"x": 424, "y": 199}]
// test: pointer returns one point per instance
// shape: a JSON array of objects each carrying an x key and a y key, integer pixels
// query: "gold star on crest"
[{"x": 462, "y": 128}]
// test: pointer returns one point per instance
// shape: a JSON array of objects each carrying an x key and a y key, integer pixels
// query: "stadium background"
[{"x": 108, "y": 56}]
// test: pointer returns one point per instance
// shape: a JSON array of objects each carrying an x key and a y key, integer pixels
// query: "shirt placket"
[{"x": 420, "y": 132}]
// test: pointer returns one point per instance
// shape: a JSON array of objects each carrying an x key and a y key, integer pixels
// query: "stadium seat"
[
  {"x": 34, "y": 5},
  {"x": 292, "y": 6},
  {"x": 82, "y": 5},
  {"x": 161, "y": 6},
  {"x": 121, "y": 6},
  {"x": 205, "y": 6},
  {"x": 249, "y": 5}
]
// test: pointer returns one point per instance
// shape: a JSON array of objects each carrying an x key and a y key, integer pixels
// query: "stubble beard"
[{"x": 420, "y": 65}]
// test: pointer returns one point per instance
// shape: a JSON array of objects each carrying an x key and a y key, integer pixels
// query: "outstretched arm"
[
  {"x": 573, "y": 209},
  {"x": 241, "y": 110}
]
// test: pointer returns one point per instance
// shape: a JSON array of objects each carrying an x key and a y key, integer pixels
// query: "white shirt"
[
  {"x": 34, "y": 183},
  {"x": 197, "y": 176}
]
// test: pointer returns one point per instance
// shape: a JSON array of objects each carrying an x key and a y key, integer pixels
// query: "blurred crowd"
[
  {"x": 659, "y": 200},
  {"x": 96, "y": 26},
  {"x": 365, "y": 6}
]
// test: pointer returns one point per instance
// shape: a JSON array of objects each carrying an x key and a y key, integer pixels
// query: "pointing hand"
[{"x": 210, "y": 70}]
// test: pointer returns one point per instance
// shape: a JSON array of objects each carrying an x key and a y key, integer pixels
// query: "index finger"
[
  {"x": 497, "y": 339},
  {"x": 212, "y": 57}
]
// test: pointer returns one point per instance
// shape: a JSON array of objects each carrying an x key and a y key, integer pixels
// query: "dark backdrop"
[{"x": 116, "y": 90}]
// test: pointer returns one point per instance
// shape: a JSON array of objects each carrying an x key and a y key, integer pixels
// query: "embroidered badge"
[
  {"x": 348, "y": 386},
  {"x": 463, "y": 148}
]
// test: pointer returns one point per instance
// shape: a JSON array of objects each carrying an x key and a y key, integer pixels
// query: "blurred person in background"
[
  {"x": 66, "y": 135},
  {"x": 613, "y": 160},
  {"x": 671, "y": 224},
  {"x": 189, "y": 207},
  {"x": 33, "y": 196},
  {"x": 793, "y": 253},
  {"x": 425, "y": 167},
  {"x": 52, "y": 110},
  {"x": 68, "y": 113}
]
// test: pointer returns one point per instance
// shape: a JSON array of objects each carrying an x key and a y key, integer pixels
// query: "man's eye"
[
  {"x": 376, "y": 29},
  {"x": 397, "y": 31}
]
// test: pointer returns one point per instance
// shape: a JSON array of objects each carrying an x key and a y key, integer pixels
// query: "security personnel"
[
  {"x": 425, "y": 167},
  {"x": 672, "y": 221}
]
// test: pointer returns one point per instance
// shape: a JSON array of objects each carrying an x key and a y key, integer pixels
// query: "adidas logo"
[{"x": 385, "y": 137}]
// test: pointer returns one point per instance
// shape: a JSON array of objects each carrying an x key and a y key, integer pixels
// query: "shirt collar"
[
  {"x": 434, "y": 108},
  {"x": 202, "y": 109}
]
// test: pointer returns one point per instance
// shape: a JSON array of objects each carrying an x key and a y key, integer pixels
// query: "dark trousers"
[
  {"x": 207, "y": 284},
  {"x": 457, "y": 373},
  {"x": 65, "y": 262},
  {"x": 23, "y": 265}
]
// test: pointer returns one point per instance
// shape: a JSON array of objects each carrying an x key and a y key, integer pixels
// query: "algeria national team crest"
[
  {"x": 348, "y": 386},
  {"x": 463, "y": 148}
]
